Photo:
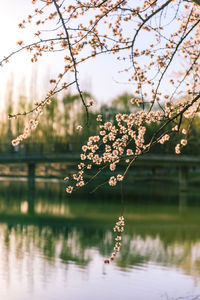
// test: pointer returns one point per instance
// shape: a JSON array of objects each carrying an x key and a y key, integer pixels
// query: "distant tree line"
[{"x": 61, "y": 118}]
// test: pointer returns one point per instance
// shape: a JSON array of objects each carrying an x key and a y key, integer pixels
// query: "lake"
[{"x": 54, "y": 246}]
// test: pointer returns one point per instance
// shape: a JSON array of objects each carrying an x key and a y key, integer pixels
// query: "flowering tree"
[{"x": 158, "y": 44}]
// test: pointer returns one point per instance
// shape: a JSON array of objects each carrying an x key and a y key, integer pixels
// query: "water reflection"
[
  {"x": 75, "y": 244},
  {"x": 61, "y": 238},
  {"x": 25, "y": 247}
]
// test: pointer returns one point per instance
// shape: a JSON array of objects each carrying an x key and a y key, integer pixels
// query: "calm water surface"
[{"x": 54, "y": 248}]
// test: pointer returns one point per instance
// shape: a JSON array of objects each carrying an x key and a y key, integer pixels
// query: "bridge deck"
[{"x": 143, "y": 161}]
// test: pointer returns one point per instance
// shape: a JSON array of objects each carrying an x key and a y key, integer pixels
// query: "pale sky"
[{"x": 98, "y": 77}]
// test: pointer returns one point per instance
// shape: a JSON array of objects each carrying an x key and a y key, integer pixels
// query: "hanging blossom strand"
[{"x": 119, "y": 228}]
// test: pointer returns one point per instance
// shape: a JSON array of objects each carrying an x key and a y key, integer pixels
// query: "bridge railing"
[{"x": 39, "y": 148}]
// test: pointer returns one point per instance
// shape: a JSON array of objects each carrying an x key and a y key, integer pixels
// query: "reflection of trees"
[
  {"x": 182, "y": 254},
  {"x": 73, "y": 250},
  {"x": 78, "y": 243}
]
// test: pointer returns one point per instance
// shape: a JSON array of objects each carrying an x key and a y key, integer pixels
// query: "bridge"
[
  {"x": 147, "y": 160},
  {"x": 181, "y": 162}
]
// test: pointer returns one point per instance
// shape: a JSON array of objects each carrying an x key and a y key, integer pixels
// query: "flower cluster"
[
  {"x": 183, "y": 142},
  {"x": 121, "y": 140},
  {"x": 164, "y": 138},
  {"x": 119, "y": 228},
  {"x": 90, "y": 102},
  {"x": 32, "y": 125}
]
